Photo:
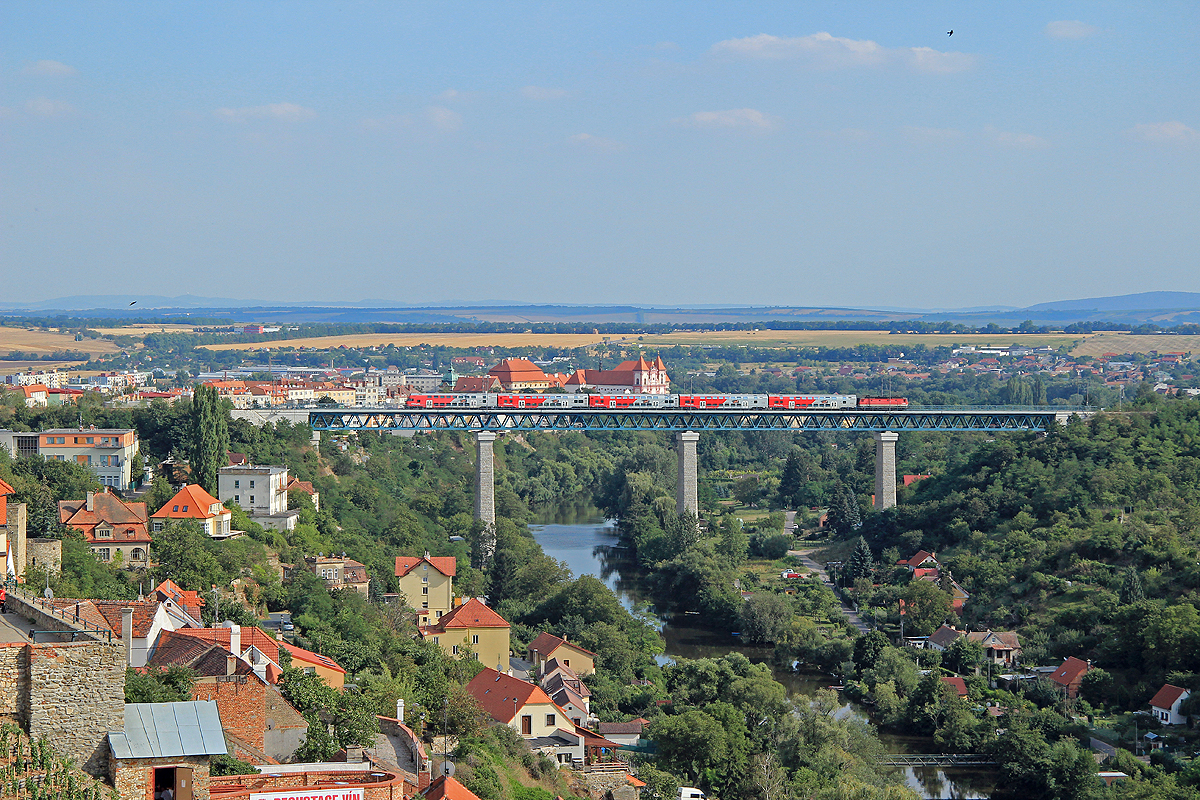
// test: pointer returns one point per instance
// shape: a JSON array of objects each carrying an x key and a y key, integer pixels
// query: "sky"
[{"x": 649, "y": 152}]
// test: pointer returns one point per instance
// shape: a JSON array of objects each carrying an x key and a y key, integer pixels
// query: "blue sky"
[{"x": 616, "y": 152}]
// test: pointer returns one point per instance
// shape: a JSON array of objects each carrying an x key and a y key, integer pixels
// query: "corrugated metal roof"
[{"x": 168, "y": 730}]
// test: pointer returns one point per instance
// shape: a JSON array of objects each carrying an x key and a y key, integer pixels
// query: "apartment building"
[
  {"x": 111, "y": 453},
  {"x": 261, "y": 491},
  {"x": 427, "y": 584},
  {"x": 51, "y": 380}
]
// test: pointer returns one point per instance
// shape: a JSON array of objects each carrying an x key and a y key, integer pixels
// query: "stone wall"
[
  {"x": 133, "y": 778},
  {"x": 44, "y": 553},
  {"x": 14, "y": 682},
  {"x": 76, "y": 696},
  {"x": 15, "y": 521}
]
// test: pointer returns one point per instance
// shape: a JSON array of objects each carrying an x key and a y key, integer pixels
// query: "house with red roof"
[
  {"x": 316, "y": 664},
  {"x": 427, "y": 583},
  {"x": 1068, "y": 676},
  {"x": 193, "y": 503},
  {"x": 629, "y": 377},
  {"x": 110, "y": 526},
  {"x": 477, "y": 383},
  {"x": 139, "y": 630},
  {"x": 251, "y": 645},
  {"x": 294, "y": 485},
  {"x": 1167, "y": 703},
  {"x": 547, "y": 647},
  {"x": 957, "y": 684},
  {"x": 475, "y": 629},
  {"x": 187, "y": 599},
  {"x": 520, "y": 375}
]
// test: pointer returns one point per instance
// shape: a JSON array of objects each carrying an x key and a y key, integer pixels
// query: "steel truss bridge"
[
  {"x": 938, "y": 760},
  {"x": 957, "y": 418}
]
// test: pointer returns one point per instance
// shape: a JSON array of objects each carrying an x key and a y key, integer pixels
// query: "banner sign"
[{"x": 314, "y": 793}]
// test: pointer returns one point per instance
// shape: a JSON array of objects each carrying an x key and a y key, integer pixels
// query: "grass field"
[
  {"x": 39, "y": 341},
  {"x": 723, "y": 338},
  {"x": 142, "y": 330},
  {"x": 1101, "y": 343}
]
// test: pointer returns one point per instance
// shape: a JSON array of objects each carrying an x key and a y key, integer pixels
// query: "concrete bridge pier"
[
  {"x": 686, "y": 495},
  {"x": 885, "y": 469},
  {"x": 485, "y": 495}
]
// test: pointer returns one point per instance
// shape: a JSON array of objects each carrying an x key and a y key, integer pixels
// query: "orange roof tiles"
[
  {"x": 502, "y": 696},
  {"x": 957, "y": 684},
  {"x": 447, "y": 565},
  {"x": 1069, "y": 671},
  {"x": 308, "y": 656},
  {"x": 519, "y": 370},
  {"x": 190, "y": 502},
  {"x": 446, "y": 788},
  {"x": 471, "y": 614},
  {"x": 547, "y": 643},
  {"x": 251, "y": 637},
  {"x": 127, "y": 520},
  {"x": 5, "y": 488},
  {"x": 1166, "y": 696}
]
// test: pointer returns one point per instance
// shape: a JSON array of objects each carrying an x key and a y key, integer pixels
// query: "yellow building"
[
  {"x": 472, "y": 628},
  {"x": 521, "y": 705},
  {"x": 428, "y": 585},
  {"x": 312, "y": 663},
  {"x": 547, "y": 646}
]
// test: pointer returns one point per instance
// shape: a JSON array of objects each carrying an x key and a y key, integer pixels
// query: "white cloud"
[
  {"x": 47, "y": 67},
  {"x": 1023, "y": 141},
  {"x": 543, "y": 93},
  {"x": 733, "y": 118},
  {"x": 44, "y": 107},
  {"x": 595, "y": 142},
  {"x": 920, "y": 135},
  {"x": 830, "y": 52},
  {"x": 288, "y": 112},
  {"x": 1070, "y": 29},
  {"x": 1164, "y": 132},
  {"x": 443, "y": 118}
]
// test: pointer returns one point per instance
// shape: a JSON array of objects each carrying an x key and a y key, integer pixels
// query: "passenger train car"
[{"x": 778, "y": 402}]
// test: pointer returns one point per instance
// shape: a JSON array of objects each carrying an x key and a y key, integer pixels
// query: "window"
[
  {"x": 425, "y": 604},
  {"x": 527, "y": 725},
  {"x": 137, "y": 554},
  {"x": 158, "y": 526},
  {"x": 91, "y": 440},
  {"x": 566, "y": 662},
  {"x": 185, "y": 508},
  {"x": 453, "y": 649},
  {"x": 175, "y": 509},
  {"x": 251, "y": 499},
  {"x": 237, "y": 484},
  {"x": 251, "y": 484},
  {"x": 424, "y": 590},
  {"x": 475, "y": 638},
  {"x": 102, "y": 553},
  {"x": 550, "y": 721},
  {"x": 439, "y": 615},
  {"x": 424, "y": 579},
  {"x": 103, "y": 533},
  {"x": 237, "y": 498}
]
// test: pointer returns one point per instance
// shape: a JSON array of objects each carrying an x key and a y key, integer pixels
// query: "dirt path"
[{"x": 849, "y": 613}]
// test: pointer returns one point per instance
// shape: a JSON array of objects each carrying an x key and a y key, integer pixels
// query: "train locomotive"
[{"x": 767, "y": 402}]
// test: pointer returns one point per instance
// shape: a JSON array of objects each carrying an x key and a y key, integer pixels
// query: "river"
[{"x": 579, "y": 536}]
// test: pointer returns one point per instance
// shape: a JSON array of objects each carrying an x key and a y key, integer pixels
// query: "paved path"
[
  {"x": 14, "y": 628},
  {"x": 809, "y": 564}
]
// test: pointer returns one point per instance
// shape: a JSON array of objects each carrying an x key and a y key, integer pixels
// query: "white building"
[
  {"x": 261, "y": 491},
  {"x": 1166, "y": 704},
  {"x": 51, "y": 380}
]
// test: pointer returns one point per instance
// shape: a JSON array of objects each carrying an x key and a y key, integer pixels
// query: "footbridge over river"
[{"x": 884, "y": 425}]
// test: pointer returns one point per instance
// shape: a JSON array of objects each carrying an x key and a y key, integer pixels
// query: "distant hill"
[{"x": 1142, "y": 301}]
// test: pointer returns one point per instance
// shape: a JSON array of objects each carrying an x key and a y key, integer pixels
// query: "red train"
[{"x": 779, "y": 402}]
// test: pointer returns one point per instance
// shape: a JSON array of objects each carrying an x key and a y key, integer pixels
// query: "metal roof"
[{"x": 168, "y": 730}]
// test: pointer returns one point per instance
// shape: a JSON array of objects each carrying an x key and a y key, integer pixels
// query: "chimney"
[
  {"x": 230, "y": 664},
  {"x": 91, "y": 505},
  {"x": 235, "y": 639},
  {"x": 127, "y": 634},
  {"x": 400, "y": 710}
]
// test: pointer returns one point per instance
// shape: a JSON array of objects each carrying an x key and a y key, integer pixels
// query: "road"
[
  {"x": 14, "y": 628},
  {"x": 811, "y": 565}
]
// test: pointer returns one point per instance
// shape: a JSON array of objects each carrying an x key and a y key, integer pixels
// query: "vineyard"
[{"x": 31, "y": 770}]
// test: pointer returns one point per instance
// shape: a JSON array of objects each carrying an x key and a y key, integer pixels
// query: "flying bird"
[
  {"x": 950, "y": 32},
  {"x": 134, "y": 303}
]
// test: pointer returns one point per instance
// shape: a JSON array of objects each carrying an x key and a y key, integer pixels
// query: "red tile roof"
[
  {"x": 956, "y": 683},
  {"x": 190, "y": 502},
  {"x": 471, "y": 614},
  {"x": 250, "y": 637},
  {"x": 1166, "y": 696},
  {"x": 189, "y": 600},
  {"x": 447, "y": 565},
  {"x": 921, "y": 557},
  {"x": 502, "y": 696},
  {"x": 547, "y": 643},
  {"x": 308, "y": 656},
  {"x": 5, "y": 488},
  {"x": 127, "y": 520},
  {"x": 446, "y": 788},
  {"x": 1069, "y": 671},
  {"x": 107, "y": 613}
]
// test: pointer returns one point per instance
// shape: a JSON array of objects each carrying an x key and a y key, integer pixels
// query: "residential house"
[
  {"x": 316, "y": 664},
  {"x": 472, "y": 628},
  {"x": 111, "y": 453},
  {"x": 924, "y": 566},
  {"x": 110, "y": 526},
  {"x": 521, "y": 705},
  {"x": 942, "y": 638},
  {"x": 1068, "y": 676},
  {"x": 190, "y": 601},
  {"x": 306, "y": 487},
  {"x": 957, "y": 684},
  {"x": 139, "y": 629},
  {"x": 1166, "y": 705},
  {"x": 623, "y": 733},
  {"x": 428, "y": 585},
  {"x": 999, "y": 647},
  {"x": 340, "y": 572},
  {"x": 193, "y": 503},
  {"x": 568, "y": 692},
  {"x": 261, "y": 491},
  {"x": 547, "y": 646},
  {"x": 252, "y": 645},
  {"x": 445, "y": 787},
  {"x": 165, "y": 746},
  {"x": 36, "y": 395},
  {"x": 521, "y": 375},
  {"x": 629, "y": 377}
]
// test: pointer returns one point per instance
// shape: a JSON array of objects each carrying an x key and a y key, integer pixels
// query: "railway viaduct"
[{"x": 687, "y": 425}]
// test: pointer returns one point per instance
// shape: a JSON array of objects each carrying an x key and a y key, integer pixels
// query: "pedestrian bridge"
[{"x": 938, "y": 760}]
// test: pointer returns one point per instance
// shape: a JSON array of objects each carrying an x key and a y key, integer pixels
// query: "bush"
[{"x": 770, "y": 546}]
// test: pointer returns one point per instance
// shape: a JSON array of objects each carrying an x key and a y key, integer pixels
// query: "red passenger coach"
[
  {"x": 611, "y": 401},
  {"x": 521, "y": 400},
  {"x": 431, "y": 401}
]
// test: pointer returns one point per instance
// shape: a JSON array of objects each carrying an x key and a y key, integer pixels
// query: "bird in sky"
[
  {"x": 134, "y": 303},
  {"x": 950, "y": 32}
]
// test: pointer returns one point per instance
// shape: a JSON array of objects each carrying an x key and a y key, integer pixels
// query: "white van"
[{"x": 690, "y": 793}]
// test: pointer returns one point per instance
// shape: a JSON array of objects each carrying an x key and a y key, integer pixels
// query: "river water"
[{"x": 580, "y": 536}]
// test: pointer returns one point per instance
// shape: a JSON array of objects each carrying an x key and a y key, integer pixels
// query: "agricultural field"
[
  {"x": 49, "y": 341},
  {"x": 142, "y": 330},
  {"x": 1100, "y": 343},
  {"x": 465, "y": 340}
]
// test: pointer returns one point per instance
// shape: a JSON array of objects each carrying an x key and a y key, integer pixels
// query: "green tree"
[
  {"x": 184, "y": 554},
  {"x": 747, "y": 490},
  {"x": 963, "y": 655},
  {"x": 766, "y": 617},
  {"x": 209, "y": 437},
  {"x": 862, "y": 562},
  {"x": 925, "y": 608},
  {"x": 689, "y": 743},
  {"x": 1131, "y": 587},
  {"x": 867, "y": 649},
  {"x": 173, "y": 685}
]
